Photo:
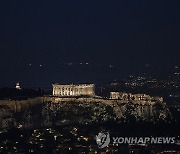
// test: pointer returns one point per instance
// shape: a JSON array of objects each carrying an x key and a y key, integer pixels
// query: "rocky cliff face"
[
  {"x": 65, "y": 113},
  {"x": 6, "y": 117},
  {"x": 139, "y": 112}
]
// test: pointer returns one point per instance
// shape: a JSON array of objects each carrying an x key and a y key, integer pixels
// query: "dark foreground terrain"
[{"x": 72, "y": 128}]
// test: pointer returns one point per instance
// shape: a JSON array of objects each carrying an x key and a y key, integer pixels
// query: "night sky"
[{"x": 42, "y": 42}]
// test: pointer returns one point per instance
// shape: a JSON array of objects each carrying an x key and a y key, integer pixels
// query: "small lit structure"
[
  {"x": 18, "y": 86},
  {"x": 120, "y": 95}
]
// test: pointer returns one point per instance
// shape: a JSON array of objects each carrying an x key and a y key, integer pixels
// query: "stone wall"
[{"x": 20, "y": 105}]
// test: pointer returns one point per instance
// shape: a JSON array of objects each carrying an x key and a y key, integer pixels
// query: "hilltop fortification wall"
[{"x": 20, "y": 105}]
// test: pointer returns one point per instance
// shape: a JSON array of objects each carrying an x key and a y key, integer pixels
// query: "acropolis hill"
[
  {"x": 143, "y": 105},
  {"x": 81, "y": 93}
]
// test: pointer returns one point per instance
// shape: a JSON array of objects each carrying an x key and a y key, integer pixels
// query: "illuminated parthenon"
[{"x": 73, "y": 90}]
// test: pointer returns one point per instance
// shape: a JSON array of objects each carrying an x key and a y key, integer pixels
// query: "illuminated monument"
[
  {"x": 73, "y": 90},
  {"x": 135, "y": 97}
]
